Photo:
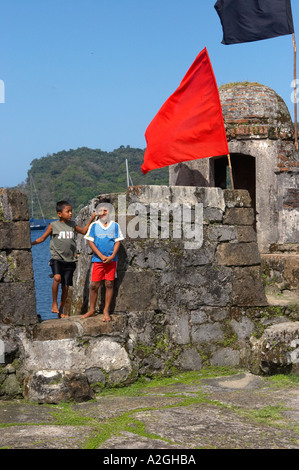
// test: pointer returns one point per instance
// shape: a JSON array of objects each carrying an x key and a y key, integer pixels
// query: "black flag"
[{"x": 253, "y": 20}]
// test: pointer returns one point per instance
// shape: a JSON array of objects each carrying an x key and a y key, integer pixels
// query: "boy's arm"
[
  {"x": 45, "y": 235},
  {"x": 96, "y": 250},
  {"x": 108, "y": 259},
  {"x": 83, "y": 230}
]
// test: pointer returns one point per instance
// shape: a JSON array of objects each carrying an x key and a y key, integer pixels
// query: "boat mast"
[
  {"x": 31, "y": 194},
  {"x": 40, "y": 207}
]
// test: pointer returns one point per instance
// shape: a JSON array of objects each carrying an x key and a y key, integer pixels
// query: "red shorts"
[{"x": 101, "y": 271}]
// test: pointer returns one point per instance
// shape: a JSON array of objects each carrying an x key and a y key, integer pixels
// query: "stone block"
[
  {"x": 222, "y": 233},
  {"x": 243, "y": 328},
  {"x": 15, "y": 235},
  {"x": 190, "y": 359},
  {"x": 55, "y": 386},
  {"x": 136, "y": 291},
  {"x": 212, "y": 214},
  {"x": 247, "y": 287},
  {"x": 147, "y": 194},
  {"x": 184, "y": 194},
  {"x": 204, "y": 285},
  {"x": 236, "y": 198},
  {"x": 95, "y": 326},
  {"x": 238, "y": 254},
  {"x": 77, "y": 355},
  {"x": 209, "y": 314},
  {"x": 10, "y": 347},
  {"x": 225, "y": 357},
  {"x": 211, "y": 197},
  {"x": 76, "y": 326},
  {"x": 13, "y": 205},
  {"x": 207, "y": 333},
  {"x": 179, "y": 329},
  {"x": 16, "y": 266},
  {"x": 18, "y": 303},
  {"x": 50, "y": 330},
  {"x": 192, "y": 258},
  {"x": 11, "y": 388},
  {"x": 291, "y": 270},
  {"x": 239, "y": 216},
  {"x": 96, "y": 378},
  {"x": 150, "y": 255},
  {"x": 246, "y": 234},
  {"x": 277, "y": 351}
]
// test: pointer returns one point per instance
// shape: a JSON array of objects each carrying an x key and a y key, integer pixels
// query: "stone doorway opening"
[{"x": 244, "y": 174}]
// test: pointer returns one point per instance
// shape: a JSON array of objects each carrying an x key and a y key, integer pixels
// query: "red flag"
[{"x": 190, "y": 124}]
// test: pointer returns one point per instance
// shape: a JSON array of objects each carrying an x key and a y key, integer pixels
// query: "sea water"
[{"x": 42, "y": 272}]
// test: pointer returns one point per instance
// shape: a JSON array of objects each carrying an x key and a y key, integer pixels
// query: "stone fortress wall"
[
  {"x": 17, "y": 290},
  {"x": 175, "y": 307},
  {"x": 260, "y": 136}
]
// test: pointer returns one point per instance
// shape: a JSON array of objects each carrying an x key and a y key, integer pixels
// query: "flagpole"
[
  {"x": 127, "y": 171},
  {"x": 295, "y": 93},
  {"x": 230, "y": 171}
]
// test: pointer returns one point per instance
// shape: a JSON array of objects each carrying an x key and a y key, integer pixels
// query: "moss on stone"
[{"x": 234, "y": 84}]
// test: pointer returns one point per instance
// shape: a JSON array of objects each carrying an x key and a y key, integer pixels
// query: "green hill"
[{"x": 80, "y": 175}]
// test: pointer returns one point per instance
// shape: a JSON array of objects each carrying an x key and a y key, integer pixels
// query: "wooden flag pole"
[
  {"x": 295, "y": 93},
  {"x": 230, "y": 171}
]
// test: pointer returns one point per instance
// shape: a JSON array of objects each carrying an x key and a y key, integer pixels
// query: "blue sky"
[{"x": 95, "y": 72}]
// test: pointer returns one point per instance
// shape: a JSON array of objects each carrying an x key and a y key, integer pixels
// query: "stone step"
[
  {"x": 76, "y": 326},
  {"x": 283, "y": 299}
]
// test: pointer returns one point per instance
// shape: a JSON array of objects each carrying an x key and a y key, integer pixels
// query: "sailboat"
[{"x": 33, "y": 225}]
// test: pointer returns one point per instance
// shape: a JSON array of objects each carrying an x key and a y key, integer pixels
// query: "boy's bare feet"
[
  {"x": 55, "y": 308},
  {"x": 106, "y": 316},
  {"x": 90, "y": 313}
]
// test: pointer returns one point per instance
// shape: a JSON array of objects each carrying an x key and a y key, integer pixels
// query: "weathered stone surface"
[
  {"x": 243, "y": 328},
  {"x": 225, "y": 357},
  {"x": 260, "y": 137},
  {"x": 209, "y": 197},
  {"x": 219, "y": 416},
  {"x": 76, "y": 326},
  {"x": 237, "y": 198},
  {"x": 247, "y": 289},
  {"x": 17, "y": 303},
  {"x": 13, "y": 205},
  {"x": 55, "y": 386},
  {"x": 238, "y": 254},
  {"x": 95, "y": 326},
  {"x": 45, "y": 436},
  {"x": 147, "y": 194},
  {"x": 190, "y": 359},
  {"x": 222, "y": 233},
  {"x": 10, "y": 387},
  {"x": 246, "y": 234},
  {"x": 15, "y": 235},
  {"x": 239, "y": 216},
  {"x": 16, "y": 266},
  {"x": 50, "y": 330},
  {"x": 179, "y": 328},
  {"x": 130, "y": 297},
  {"x": 277, "y": 351},
  {"x": 207, "y": 333},
  {"x": 96, "y": 377},
  {"x": 281, "y": 269},
  {"x": 172, "y": 304},
  {"x": 78, "y": 355}
]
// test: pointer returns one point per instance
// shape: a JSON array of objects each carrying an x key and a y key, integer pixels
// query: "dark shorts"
[{"x": 65, "y": 269}]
